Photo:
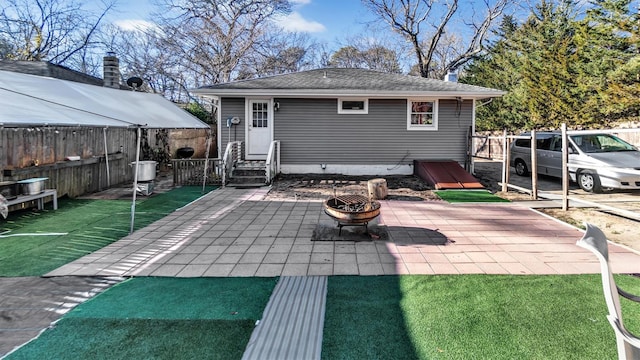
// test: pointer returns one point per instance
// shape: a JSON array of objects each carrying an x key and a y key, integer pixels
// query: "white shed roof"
[{"x": 29, "y": 100}]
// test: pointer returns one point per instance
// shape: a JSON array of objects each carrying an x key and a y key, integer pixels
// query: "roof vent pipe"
[
  {"x": 111, "y": 70},
  {"x": 451, "y": 77}
]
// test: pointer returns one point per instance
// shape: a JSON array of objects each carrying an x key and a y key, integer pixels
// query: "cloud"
[
  {"x": 135, "y": 25},
  {"x": 294, "y": 22}
]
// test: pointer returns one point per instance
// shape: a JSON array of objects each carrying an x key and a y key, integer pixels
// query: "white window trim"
[
  {"x": 432, "y": 127},
  {"x": 347, "y": 111}
]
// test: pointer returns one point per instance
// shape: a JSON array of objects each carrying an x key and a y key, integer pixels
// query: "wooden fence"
[
  {"x": 29, "y": 147},
  {"x": 44, "y": 152},
  {"x": 75, "y": 178}
]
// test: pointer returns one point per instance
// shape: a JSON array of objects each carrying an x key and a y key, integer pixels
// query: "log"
[{"x": 377, "y": 189}]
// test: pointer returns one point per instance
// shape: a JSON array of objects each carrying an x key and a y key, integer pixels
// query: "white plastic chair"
[{"x": 628, "y": 344}]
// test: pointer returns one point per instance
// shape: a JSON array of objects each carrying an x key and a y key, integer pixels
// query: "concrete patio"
[{"x": 236, "y": 232}]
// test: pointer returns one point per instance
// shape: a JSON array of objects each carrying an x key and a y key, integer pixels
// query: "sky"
[{"x": 328, "y": 21}]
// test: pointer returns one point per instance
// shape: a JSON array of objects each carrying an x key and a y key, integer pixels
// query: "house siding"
[
  {"x": 231, "y": 107},
  {"x": 312, "y": 132}
]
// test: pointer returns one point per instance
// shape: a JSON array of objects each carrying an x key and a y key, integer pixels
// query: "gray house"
[{"x": 346, "y": 121}]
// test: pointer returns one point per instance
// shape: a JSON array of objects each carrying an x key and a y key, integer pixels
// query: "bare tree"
[
  {"x": 51, "y": 30},
  {"x": 373, "y": 57},
  {"x": 374, "y": 49},
  {"x": 382, "y": 59},
  {"x": 347, "y": 57},
  {"x": 279, "y": 52},
  {"x": 210, "y": 38},
  {"x": 424, "y": 23},
  {"x": 140, "y": 55}
]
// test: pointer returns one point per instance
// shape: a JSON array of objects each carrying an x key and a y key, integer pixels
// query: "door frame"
[{"x": 248, "y": 115}]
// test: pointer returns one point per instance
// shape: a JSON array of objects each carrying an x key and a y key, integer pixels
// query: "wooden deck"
[{"x": 445, "y": 174}]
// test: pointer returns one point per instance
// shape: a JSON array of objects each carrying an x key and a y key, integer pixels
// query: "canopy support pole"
[
  {"x": 206, "y": 159},
  {"x": 135, "y": 182},
  {"x": 106, "y": 157}
]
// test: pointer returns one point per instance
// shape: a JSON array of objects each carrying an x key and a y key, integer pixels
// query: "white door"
[{"x": 259, "y": 129}]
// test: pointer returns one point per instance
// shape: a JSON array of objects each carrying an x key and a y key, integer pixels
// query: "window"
[
  {"x": 544, "y": 142},
  {"x": 353, "y": 106},
  {"x": 422, "y": 115},
  {"x": 260, "y": 114}
]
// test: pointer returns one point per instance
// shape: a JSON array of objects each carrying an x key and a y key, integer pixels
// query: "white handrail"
[
  {"x": 273, "y": 161},
  {"x": 230, "y": 158}
]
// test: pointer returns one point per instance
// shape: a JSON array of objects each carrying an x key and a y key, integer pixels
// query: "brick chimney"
[{"x": 111, "y": 70}]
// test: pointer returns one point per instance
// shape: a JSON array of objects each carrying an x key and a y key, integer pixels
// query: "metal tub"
[
  {"x": 32, "y": 186},
  {"x": 146, "y": 170}
]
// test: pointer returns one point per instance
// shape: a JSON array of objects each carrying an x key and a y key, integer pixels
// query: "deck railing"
[
  {"x": 273, "y": 161},
  {"x": 192, "y": 171},
  {"x": 232, "y": 155}
]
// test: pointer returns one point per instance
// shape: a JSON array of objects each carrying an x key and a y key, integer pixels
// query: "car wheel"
[
  {"x": 521, "y": 168},
  {"x": 589, "y": 181}
]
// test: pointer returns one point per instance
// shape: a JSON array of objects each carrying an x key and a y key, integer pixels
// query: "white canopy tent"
[{"x": 31, "y": 101}]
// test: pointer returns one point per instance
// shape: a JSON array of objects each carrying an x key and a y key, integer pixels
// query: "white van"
[{"x": 596, "y": 161}]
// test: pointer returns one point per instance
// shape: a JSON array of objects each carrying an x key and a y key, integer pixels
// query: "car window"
[
  {"x": 601, "y": 143},
  {"x": 544, "y": 143},
  {"x": 556, "y": 143}
]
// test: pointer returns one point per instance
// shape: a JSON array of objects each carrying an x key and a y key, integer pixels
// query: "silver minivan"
[{"x": 596, "y": 161}]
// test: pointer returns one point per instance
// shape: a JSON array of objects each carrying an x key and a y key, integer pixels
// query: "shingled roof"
[
  {"x": 346, "y": 82},
  {"x": 43, "y": 68}
]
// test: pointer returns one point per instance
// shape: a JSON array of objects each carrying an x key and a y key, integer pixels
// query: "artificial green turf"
[
  {"x": 89, "y": 225},
  {"x": 85, "y": 338},
  {"x": 158, "y": 318},
  {"x": 472, "y": 317},
  {"x": 470, "y": 196},
  {"x": 181, "y": 298},
  {"x": 364, "y": 320}
]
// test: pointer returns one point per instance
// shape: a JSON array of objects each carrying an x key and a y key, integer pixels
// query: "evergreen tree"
[
  {"x": 499, "y": 69},
  {"x": 562, "y": 66},
  {"x": 610, "y": 61},
  {"x": 547, "y": 51}
]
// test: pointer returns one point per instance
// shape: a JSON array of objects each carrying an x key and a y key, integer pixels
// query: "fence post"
[
  {"x": 565, "y": 172},
  {"x": 534, "y": 165},
  {"x": 505, "y": 161}
]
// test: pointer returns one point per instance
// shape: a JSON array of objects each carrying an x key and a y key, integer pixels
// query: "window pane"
[
  {"x": 421, "y": 107},
  {"x": 353, "y": 105},
  {"x": 260, "y": 114},
  {"x": 422, "y": 113},
  {"x": 421, "y": 119}
]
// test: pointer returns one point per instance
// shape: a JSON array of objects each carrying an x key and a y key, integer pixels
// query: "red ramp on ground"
[{"x": 445, "y": 174}]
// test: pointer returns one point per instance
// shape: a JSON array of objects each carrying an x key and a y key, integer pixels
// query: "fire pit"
[{"x": 350, "y": 210}]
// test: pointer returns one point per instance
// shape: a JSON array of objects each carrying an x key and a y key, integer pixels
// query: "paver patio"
[{"x": 236, "y": 232}]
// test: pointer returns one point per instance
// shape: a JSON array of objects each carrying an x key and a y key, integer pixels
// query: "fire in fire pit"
[{"x": 352, "y": 210}]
